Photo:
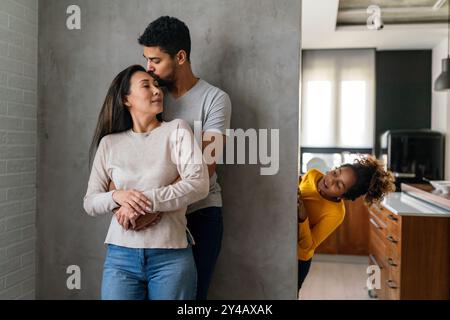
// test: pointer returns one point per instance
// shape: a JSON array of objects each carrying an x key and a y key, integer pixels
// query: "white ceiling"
[{"x": 319, "y": 31}]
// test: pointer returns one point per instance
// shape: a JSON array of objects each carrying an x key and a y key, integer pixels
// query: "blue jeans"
[
  {"x": 154, "y": 274},
  {"x": 206, "y": 226}
]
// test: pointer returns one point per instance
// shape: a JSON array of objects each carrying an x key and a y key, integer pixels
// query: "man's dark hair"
[{"x": 168, "y": 33}]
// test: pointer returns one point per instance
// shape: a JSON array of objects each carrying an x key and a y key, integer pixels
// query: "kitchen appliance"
[
  {"x": 413, "y": 155},
  {"x": 441, "y": 186}
]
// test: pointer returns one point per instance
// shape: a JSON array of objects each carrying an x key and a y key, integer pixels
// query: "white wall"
[{"x": 440, "y": 118}]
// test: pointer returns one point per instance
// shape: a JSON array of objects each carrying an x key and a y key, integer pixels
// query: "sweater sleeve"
[
  {"x": 311, "y": 238},
  {"x": 98, "y": 200},
  {"x": 194, "y": 183}
]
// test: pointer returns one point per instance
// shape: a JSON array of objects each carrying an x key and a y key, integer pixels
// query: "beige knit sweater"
[{"x": 149, "y": 162}]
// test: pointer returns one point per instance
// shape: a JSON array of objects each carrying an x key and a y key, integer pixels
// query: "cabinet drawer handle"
[
  {"x": 391, "y": 239},
  {"x": 391, "y": 284},
  {"x": 372, "y": 221},
  {"x": 392, "y": 263},
  {"x": 391, "y": 217},
  {"x": 372, "y": 258}
]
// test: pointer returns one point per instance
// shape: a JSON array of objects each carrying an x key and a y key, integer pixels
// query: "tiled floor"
[{"x": 336, "y": 277}]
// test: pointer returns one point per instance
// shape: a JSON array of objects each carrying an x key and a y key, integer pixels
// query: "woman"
[
  {"x": 142, "y": 156},
  {"x": 321, "y": 207}
]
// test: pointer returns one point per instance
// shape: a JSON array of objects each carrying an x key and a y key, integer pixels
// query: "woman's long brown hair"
[{"x": 114, "y": 116}]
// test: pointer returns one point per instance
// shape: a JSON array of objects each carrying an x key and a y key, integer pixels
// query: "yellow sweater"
[{"x": 324, "y": 216}]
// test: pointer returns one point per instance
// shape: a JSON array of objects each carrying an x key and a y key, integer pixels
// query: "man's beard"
[{"x": 164, "y": 82}]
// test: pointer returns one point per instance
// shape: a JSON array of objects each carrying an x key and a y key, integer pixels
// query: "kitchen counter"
[
  {"x": 403, "y": 204},
  {"x": 410, "y": 243}
]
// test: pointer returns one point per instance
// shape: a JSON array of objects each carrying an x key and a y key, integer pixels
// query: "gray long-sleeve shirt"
[{"x": 149, "y": 162}]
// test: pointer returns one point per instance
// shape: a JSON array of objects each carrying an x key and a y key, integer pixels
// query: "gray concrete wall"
[
  {"x": 250, "y": 49},
  {"x": 18, "y": 143}
]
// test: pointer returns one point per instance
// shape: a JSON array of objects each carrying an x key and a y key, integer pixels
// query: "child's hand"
[{"x": 300, "y": 207}]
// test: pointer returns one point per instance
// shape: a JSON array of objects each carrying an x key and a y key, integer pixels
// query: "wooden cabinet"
[{"x": 413, "y": 254}]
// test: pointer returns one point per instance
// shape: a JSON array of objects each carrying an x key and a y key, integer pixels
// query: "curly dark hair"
[
  {"x": 372, "y": 180},
  {"x": 168, "y": 33}
]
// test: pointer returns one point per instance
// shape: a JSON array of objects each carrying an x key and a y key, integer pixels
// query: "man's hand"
[
  {"x": 129, "y": 219},
  {"x": 147, "y": 221},
  {"x": 138, "y": 222}
]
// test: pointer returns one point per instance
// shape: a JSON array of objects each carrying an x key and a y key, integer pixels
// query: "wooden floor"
[{"x": 336, "y": 277}]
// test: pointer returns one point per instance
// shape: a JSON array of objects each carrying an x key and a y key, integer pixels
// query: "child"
[{"x": 320, "y": 202}]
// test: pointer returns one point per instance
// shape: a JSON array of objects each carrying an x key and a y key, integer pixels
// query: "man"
[{"x": 167, "y": 48}]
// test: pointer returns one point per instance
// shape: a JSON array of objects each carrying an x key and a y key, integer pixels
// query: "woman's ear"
[{"x": 126, "y": 103}]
